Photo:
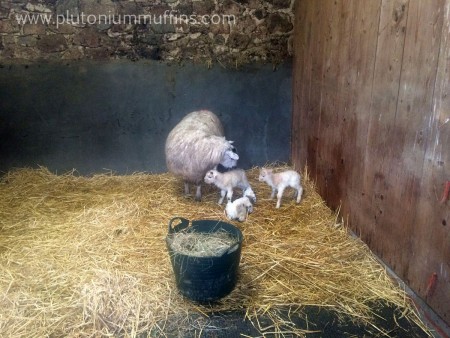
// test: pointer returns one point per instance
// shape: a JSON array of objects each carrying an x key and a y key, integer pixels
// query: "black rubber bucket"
[{"x": 205, "y": 279}]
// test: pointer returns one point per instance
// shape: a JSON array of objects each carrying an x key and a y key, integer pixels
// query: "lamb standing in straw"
[
  {"x": 229, "y": 180},
  {"x": 280, "y": 181},
  {"x": 195, "y": 145}
]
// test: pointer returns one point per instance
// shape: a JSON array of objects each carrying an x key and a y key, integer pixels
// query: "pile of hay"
[{"x": 86, "y": 256}]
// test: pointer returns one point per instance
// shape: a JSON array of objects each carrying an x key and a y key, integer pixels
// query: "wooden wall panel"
[
  {"x": 431, "y": 239},
  {"x": 371, "y": 101}
]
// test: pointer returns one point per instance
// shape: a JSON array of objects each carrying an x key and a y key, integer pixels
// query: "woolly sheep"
[
  {"x": 195, "y": 145},
  {"x": 280, "y": 181},
  {"x": 238, "y": 209},
  {"x": 229, "y": 180}
]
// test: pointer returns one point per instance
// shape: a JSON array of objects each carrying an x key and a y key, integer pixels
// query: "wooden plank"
[
  {"x": 364, "y": 43},
  {"x": 305, "y": 124},
  {"x": 373, "y": 220},
  {"x": 419, "y": 68},
  {"x": 356, "y": 90},
  {"x": 302, "y": 33},
  {"x": 431, "y": 240}
]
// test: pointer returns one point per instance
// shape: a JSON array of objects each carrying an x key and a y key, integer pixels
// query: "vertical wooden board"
[
  {"x": 420, "y": 60},
  {"x": 308, "y": 108},
  {"x": 301, "y": 44},
  {"x": 376, "y": 220},
  {"x": 356, "y": 94},
  {"x": 337, "y": 21},
  {"x": 431, "y": 240}
]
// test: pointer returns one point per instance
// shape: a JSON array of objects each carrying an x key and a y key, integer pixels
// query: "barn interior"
[{"x": 353, "y": 95}]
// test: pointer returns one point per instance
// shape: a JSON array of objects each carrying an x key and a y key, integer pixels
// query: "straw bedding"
[{"x": 86, "y": 256}]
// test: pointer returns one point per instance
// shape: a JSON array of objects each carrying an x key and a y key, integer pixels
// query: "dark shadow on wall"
[{"x": 93, "y": 116}]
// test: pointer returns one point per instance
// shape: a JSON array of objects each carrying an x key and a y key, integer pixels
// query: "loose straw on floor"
[{"x": 86, "y": 256}]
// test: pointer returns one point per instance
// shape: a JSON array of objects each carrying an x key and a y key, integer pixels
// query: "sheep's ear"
[{"x": 232, "y": 155}]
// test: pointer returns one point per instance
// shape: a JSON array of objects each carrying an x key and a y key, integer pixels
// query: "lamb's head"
[
  {"x": 264, "y": 174},
  {"x": 230, "y": 156},
  {"x": 210, "y": 176}
]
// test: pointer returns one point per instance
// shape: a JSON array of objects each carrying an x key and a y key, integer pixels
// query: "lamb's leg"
[
  {"x": 273, "y": 193},
  {"x": 198, "y": 194},
  {"x": 249, "y": 206},
  {"x": 186, "y": 188},
  {"x": 229, "y": 194},
  {"x": 279, "y": 195},
  {"x": 299, "y": 193},
  {"x": 222, "y": 196}
]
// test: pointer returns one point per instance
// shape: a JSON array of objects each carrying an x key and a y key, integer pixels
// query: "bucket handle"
[{"x": 183, "y": 224}]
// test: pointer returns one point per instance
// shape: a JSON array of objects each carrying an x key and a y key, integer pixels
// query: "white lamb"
[
  {"x": 280, "y": 181},
  {"x": 239, "y": 209},
  {"x": 229, "y": 180}
]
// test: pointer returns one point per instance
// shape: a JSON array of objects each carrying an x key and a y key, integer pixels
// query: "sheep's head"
[
  {"x": 230, "y": 157},
  {"x": 210, "y": 176}
]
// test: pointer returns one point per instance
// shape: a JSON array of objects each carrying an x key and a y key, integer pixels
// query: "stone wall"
[{"x": 207, "y": 31}]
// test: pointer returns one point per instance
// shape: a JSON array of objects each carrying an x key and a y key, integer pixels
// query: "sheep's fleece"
[{"x": 197, "y": 144}]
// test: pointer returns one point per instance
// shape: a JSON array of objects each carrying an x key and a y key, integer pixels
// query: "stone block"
[
  {"x": 26, "y": 53},
  {"x": 73, "y": 53},
  {"x": 280, "y": 4},
  {"x": 9, "y": 26},
  {"x": 185, "y": 8},
  {"x": 37, "y": 7},
  {"x": 204, "y": 7},
  {"x": 27, "y": 41},
  {"x": 229, "y": 7},
  {"x": 87, "y": 37},
  {"x": 63, "y": 29},
  {"x": 68, "y": 7},
  {"x": 278, "y": 23},
  {"x": 98, "y": 7},
  {"x": 162, "y": 28},
  {"x": 129, "y": 8},
  {"x": 34, "y": 29},
  {"x": 98, "y": 53},
  {"x": 52, "y": 43},
  {"x": 4, "y": 13},
  {"x": 238, "y": 40},
  {"x": 221, "y": 28}
]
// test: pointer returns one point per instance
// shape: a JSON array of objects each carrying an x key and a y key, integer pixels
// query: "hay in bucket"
[
  {"x": 200, "y": 244},
  {"x": 86, "y": 256}
]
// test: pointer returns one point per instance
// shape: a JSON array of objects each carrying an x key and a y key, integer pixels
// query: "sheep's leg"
[
  {"x": 186, "y": 188},
  {"x": 273, "y": 193},
  {"x": 222, "y": 196},
  {"x": 299, "y": 193},
  {"x": 279, "y": 195},
  {"x": 198, "y": 193}
]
